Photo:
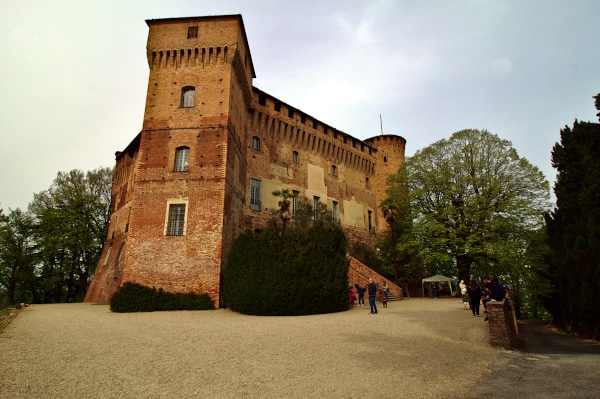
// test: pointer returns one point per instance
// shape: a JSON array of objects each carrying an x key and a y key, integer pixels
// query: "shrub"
[
  {"x": 133, "y": 297},
  {"x": 288, "y": 271}
]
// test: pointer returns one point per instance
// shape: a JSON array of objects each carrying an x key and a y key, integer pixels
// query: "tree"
[
  {"x": 398, "y": 247},
  {"x": 304, "y": 271},
  {"x": 17, "y": 259},
  {"x": 474, "y": 201},
  {"x": 71, "y": 226},
  {"x": 573, "y": 229}
]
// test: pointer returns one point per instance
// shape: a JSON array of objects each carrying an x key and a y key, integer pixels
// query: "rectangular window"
[
  {"x": 255, "y": 195},
  {"x": 333, "y": 170},
  {"x": 295, "y": 156},
  {"x": 176, "y": 222},
  {"x": 182, "y": 155},
  {"x": 370, "y": 215},
  {"x": 192, "y": 32},
  {"x": 256, "y": 143},
  {"x": 366, "y": 182},
  {"x": 295, "y": 202},
  {"x": 334, "y": 211},
  {"x": 316, "y": 207},
  {"x": 188, "y": 95}
]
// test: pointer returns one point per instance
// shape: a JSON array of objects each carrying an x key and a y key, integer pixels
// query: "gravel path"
[{"x": 416, "y": 348}]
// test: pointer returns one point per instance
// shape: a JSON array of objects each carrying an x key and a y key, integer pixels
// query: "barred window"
[
  {"x": 255, "y": 195},
  {"x": 175, "y": 224},
  {"x": 182, "y": 155}
]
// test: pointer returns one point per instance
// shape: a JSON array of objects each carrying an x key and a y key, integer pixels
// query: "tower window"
[
  {"x": 176, "y": 221},
  {"x": 333, "y": 170},
  {"x": 188, "y": 94},
  {"x": 255, "y": 195},
  {"x": 367, "y": 184},
  {"x": 192, "y": 32},
  {"x": 255, "y": 143},
  {"x": 295, "y": 156},
  {"x": 370, "y": 216},
  {"x": 182, "y": 155}
]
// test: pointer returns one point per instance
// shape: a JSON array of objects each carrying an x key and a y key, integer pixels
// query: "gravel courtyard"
[{"x": 416, "y": 348}]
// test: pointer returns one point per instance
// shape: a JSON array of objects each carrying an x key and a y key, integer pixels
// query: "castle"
[{"x": 211, "y": 151}]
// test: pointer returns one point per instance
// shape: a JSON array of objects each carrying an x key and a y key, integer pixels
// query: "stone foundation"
[{"x": 503, "y": 325}]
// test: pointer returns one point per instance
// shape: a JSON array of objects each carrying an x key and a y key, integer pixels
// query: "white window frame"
[{"x": 176, "y": 227}]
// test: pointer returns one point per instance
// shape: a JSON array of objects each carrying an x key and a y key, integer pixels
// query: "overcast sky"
[{"x": 73, "y": 73}]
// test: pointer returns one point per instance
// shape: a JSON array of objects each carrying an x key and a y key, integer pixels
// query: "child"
[
  {"x": 384, "y": 300},
  {"x": 352, "y": 296}
]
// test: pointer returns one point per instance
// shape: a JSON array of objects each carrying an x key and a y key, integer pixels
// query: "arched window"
[
  {"x": 188, "y": 94},
  {"x": 182, "y": 155}
]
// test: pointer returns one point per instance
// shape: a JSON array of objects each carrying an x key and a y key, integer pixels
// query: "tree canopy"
[
  {"x": 50, "y": 252},
  {"x": 474, "y": 200},
  {"x": 573, "y": 229}
]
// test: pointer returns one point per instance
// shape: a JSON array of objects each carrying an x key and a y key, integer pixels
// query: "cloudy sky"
[{"x": 73, "y": 73}]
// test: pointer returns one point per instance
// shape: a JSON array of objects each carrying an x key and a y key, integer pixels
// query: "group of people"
[
  {"x": 474, "y": 296},
  {"x": 373, "y": 292}
]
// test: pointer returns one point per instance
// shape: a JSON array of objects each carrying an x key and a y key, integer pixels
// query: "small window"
[
  {"x": 295, "y": 156},
  {"x": 316, "y": 207},
  {"x": 367, "y": 182},
  {"x": 334, "y": 211},
  {"x": 370, "y": 216},
  {"x": 182, "y": 155},
  {"x": 188, "y": 95},
  {"x": 192, "y": 32},
  {"x": 255, "y": 195},
  {"x": 295, "y": 202},
  {"x": 255, "y": 143},
  {"x": 333, "y": 170},
  {"x": 176, "y": 222}
]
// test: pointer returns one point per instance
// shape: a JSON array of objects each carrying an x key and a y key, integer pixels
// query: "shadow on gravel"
[{"x": 549, "y": 365}]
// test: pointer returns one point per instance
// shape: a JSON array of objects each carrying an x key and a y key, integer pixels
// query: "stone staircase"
[{"x": 359, "y": 273}]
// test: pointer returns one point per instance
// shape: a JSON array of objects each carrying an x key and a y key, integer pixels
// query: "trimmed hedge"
[
  {"x": 133, "y": 297},
  {"x": 288, "y": 272}
]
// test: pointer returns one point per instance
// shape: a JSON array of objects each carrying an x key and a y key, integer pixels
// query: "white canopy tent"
[{"x": 439, "y": 279}]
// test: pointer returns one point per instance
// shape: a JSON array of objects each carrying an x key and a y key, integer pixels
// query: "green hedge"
[
  {"x": 132, "y": 297},
  {"x": 293, "y": 271}
]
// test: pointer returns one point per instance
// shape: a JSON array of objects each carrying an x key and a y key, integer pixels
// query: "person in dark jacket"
[
  {"x": 475, "y": 294},
  {"x": 372, "y": 291}
]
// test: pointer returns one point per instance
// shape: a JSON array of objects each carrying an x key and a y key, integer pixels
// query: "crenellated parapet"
[
  {"x": 284, "y": 123},
  {"x": 203, "y": 56}
]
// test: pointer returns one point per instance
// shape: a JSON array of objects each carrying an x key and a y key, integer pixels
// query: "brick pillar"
[{"x": 503, "y": 325}]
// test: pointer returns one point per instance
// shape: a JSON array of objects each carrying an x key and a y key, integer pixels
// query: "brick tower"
[
  {"x": 389, "y": 158},
  {"x": 188, "y": 165}
]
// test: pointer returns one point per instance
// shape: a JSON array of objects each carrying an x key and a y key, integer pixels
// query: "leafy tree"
[
  {"x": 71, "y": 226},
  {"x": 474, "y": 201},
  {"x": 573, "y": 229},
  {"x": 17, "y": 259},
  {"x": 398, "y": 247}
]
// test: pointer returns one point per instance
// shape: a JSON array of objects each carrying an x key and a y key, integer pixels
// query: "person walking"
[
  {"x": 372, "y": 291},
  {"x": 475, "y": 294}
]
